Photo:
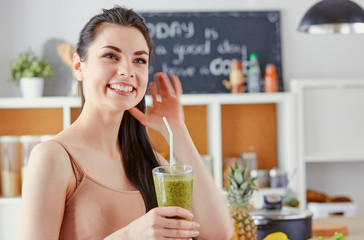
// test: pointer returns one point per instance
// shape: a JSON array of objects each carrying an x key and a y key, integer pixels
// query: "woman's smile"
[{"x": 122, "y": 88}]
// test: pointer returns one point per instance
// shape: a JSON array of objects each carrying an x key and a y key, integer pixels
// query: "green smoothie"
[{"x": 174, "y": 189}]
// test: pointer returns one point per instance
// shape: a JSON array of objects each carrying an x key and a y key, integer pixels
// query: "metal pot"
[{"x": 295, "y": 223}]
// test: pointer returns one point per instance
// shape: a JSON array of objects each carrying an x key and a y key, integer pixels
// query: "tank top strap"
[{"x": 77, "y": 169}]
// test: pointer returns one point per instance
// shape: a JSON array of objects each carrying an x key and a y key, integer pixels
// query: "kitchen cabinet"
[{"x": 330, "y": 135}]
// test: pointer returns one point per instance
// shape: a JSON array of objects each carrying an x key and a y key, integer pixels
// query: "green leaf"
[
  {"x": 29, "y": 65},
  {"x": 238, "y": 178}
]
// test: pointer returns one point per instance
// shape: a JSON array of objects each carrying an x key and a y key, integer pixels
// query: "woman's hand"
[
  {"x": 165, "y": 104},
  {"x": 157, "y": 224}
]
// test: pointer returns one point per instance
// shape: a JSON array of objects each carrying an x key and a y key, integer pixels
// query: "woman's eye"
[
  {"x": 140, "y": 61},
  {"x": 111, "y": 56}
]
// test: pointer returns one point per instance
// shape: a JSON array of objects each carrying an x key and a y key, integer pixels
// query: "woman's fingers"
[
  {"x": 139, "y": 115},
  {"x": 181, "y": 233},
  {"x": 153, "y": 92},
  {"x": 180, "y": 224},
  {"x": 173, "y": 228},
  {"x": 174, "y": 211},
  {"x": 165, "y": 86},
  {"x": 177, "y": 85}
]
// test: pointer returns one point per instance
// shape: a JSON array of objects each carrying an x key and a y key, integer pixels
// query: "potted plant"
[{"x": 29, "y": 70}]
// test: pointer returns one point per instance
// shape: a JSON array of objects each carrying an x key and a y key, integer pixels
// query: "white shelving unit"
[
  {"x": 330, "y": 121},
  {"x": 10, "y": 207},
  {"x": 213, "y": 102}
]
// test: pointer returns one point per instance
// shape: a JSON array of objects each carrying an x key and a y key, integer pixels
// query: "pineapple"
[{"x": 238, "y": 195}]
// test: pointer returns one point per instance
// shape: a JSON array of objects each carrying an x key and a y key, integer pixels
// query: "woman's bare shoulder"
[
  {"x": 50, "y": 160},
  {"x": 48, "y": 151}
]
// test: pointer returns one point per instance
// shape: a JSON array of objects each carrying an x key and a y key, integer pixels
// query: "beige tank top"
[{"x": 95, "y": 211}]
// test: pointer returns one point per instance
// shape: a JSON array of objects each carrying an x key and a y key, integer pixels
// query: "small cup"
[{"x": 174, "y": 185}]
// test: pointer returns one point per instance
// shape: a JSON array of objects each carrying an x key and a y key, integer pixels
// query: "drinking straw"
[{"x": 171, "y": 159}]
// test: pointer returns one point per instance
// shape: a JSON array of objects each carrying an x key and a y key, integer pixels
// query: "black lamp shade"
[{"x": 333, "y": 16}]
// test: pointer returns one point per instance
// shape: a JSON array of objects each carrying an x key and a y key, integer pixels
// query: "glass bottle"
[
  {"x": 236, "y": 77},
  {"x": 254, "y": 76},
  {"x": 270, "y": 79},
  {"x": 10, "y": 166}
]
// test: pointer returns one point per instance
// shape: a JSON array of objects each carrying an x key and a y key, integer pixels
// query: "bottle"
[
  {"x": 270, "y": 79},
  {"x": 236, "y": 77},
  {"x": 254, "y": 77}
]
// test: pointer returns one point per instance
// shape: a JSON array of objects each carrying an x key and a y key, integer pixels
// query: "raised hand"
[{"x": 166, "y": 103}]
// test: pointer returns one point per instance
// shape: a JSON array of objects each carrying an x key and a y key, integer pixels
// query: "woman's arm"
[
  {"x": 209, "y": 207},
  {"x": 48, "y": 181}
]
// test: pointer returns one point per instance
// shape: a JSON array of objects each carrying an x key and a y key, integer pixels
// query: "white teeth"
[{"x": 121, "y": 88}]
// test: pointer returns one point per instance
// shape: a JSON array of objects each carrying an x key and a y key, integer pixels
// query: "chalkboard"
[{"x": 199, "y": 46}]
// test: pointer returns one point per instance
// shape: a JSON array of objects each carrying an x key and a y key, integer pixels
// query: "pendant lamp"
[{"x": 333, "y": 16}]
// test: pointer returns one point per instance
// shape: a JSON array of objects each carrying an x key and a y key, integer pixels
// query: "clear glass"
[
  {"x": 10, "y": 166},
  {"x": 28, "y": 142},
  {"x": 174, "y": 185}
]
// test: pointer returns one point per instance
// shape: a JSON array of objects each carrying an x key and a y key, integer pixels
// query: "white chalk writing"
[
  {"x": 163, "y": 30},
  {"x": 179, "y": 71},
  {"x": 181, "y": 50},
  {"x": 220, "y": 66}
]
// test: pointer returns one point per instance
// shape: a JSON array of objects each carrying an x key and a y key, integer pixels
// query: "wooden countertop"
[{"x": 355, "y": 225}]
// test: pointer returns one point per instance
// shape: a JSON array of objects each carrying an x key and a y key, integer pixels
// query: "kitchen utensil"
[{"x": 297, "y": 224}]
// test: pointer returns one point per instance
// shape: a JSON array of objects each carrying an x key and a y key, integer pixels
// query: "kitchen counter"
[{"x": 355, "y": 225}]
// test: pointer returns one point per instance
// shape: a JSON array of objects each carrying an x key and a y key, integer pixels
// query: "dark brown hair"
[{"x": 138, "y": 157}]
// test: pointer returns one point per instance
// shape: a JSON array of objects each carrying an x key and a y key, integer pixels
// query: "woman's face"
[{"x": 115, "y": 71}]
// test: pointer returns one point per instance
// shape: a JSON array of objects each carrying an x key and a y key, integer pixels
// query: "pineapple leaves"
[
  {"x": 241, "y": 185},
  {"x": 239, "y": 178}
]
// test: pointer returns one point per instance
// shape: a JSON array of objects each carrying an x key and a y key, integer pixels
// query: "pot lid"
[{"x": 286, "y": 213}]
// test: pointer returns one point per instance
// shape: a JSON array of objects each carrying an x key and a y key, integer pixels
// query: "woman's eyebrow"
[
  {"x": 141, "y": 53},
  {"x": 114, "y": 48}
]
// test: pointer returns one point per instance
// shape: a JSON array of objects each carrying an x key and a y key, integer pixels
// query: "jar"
[
  {"x": 27, "y": 143},
  {"x": 249, "y": 158},
  {"x": 262, "y": 178},
  {"x": 10, "y": 166},
  {"x": 277, "y": 178}
]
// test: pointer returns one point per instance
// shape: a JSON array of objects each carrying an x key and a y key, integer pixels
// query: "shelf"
[
  {"x": 213, "y": 102},
  {"x": 43, "y": 102},
  {"x": 188, "y": 99},
  {"x": 329, "y": 159}
]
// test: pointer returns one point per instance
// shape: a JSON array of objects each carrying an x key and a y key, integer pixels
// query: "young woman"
[{"x": 94, "y": 179}]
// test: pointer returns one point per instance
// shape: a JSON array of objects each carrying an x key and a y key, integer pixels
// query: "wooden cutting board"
[{"x": 328, "y": 229}]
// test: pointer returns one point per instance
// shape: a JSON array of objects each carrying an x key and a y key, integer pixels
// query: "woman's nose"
[{"x": 125, "y": 69}]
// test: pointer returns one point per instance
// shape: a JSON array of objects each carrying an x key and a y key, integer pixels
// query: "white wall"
[{"x": 26, "y": 23}]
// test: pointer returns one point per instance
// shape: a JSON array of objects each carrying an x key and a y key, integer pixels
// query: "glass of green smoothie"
[{"x": 173, "y": 185}]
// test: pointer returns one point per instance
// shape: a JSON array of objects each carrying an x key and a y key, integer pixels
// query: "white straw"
[{"x": 171, "y": 159}]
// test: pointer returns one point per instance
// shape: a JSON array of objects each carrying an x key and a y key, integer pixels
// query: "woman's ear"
[{"x": 77, "y": 68}]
